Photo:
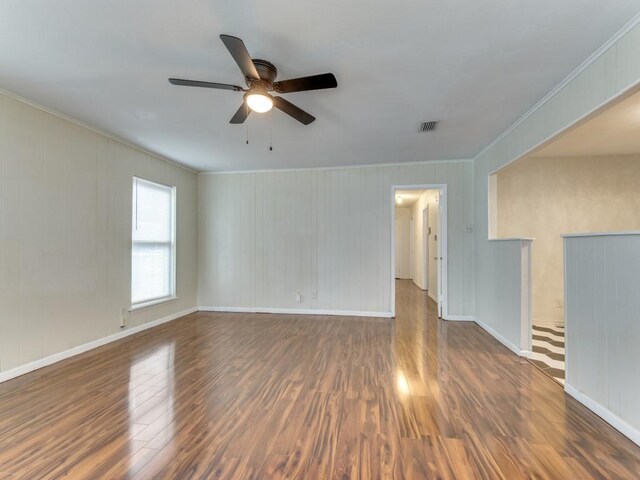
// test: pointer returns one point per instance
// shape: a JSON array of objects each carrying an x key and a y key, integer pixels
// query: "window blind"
[{"x": 153, "y": 242}]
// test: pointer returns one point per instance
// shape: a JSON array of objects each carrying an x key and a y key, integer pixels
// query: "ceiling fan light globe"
[{"x": 259, "y": 102}]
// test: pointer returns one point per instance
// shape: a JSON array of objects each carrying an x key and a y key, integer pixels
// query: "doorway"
[
  {"x": 581, "y": 182},
  {"x": 418, "y": 246},
  {"x": 426, "y": 231}
]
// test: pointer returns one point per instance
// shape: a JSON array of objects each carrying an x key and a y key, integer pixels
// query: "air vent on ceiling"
[{"x": 428, "y": 126}]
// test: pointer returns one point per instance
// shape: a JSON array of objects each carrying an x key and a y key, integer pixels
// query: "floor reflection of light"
[
  {"x": 403, "y": 385},
  {"x": 151, "y": 394}
]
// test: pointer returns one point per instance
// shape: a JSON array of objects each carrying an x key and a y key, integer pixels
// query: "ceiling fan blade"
[
  {"x": 240, "y": 54},
  {"x": 241, "y": 115},
  {"x": 198, "y": 83},
  {"x": 293, "y": 111},
  {"x": 314, "y": 82}
]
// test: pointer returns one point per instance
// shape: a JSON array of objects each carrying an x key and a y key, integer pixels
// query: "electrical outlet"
[
  {"x": 558, "y": 303},
  {"x": 314, "y": 295},
  {"x": 298, "y": 297},
  {"x": 124, "y": 317}
]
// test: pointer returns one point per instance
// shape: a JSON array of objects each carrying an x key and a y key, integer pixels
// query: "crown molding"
[
  {"x": 82, "y": 124},
  {"x": 572, "y": 76}
]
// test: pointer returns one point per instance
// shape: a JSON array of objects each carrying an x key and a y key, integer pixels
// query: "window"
[{"x": 153, "y": 244}]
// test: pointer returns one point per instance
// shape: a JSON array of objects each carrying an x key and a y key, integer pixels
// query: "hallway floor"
[{"x": 250, "y": 396}]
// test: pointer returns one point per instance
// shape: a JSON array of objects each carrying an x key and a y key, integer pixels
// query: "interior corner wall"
[
  {"x": 544, "y": 198},
  {"x": 614, "y": 72},
  {"x": 326, "y": 234},
  {"x": 65, "y": 234}
]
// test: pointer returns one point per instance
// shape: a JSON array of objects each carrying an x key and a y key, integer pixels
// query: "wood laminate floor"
[{"x": 279, "y": 396}]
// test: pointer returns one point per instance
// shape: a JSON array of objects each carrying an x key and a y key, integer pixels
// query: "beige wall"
[
  {"x": 403, "y": 242},
  {"x": 547, "y": 197},
  {"x": 428, "y": 198},
  {"x": 65, "y": 234}
]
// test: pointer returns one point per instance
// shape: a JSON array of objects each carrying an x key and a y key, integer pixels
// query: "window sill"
[{"x": 151, "y": 303}]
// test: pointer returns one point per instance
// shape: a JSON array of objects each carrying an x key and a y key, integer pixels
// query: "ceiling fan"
[{"x": 260, "y": 76}]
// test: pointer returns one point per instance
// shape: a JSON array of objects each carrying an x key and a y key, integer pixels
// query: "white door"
[
  {"x": 403, "y": 245},
  {"x": 412, "y": 254},
  {"x": 425, "y": 241},
  {"x": 439, "y": 255}
]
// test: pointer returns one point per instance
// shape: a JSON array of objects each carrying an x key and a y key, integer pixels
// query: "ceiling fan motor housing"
[
  {"x": 260, "y": 76},
  {"x": 267, "y": 71}
]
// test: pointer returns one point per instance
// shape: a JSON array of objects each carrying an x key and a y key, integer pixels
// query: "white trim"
[
  {"x": 442, "y": 242},
  {"x": 526, "y": 295},
  {"x": 152, "y": 303},
  {"x": 72, "y": 352},
  {"x": 509, "y": 239},
  {"x": 618, "y": 96},
  {"x": 431, "y": 296},
  {"x": 500, "y": 338},
  {"x": 601, "y": 234},
  {"x": 82, "y": 124},
  {"x": 460, "y": 318},
  {"x": 567, "y": 322},
  {"x": 341, "y": 167},
  {"x": 603, "y": 412},
  {"x": 572, "y": 76},
  {"x": 173, "y": 270},
  {"x": 297, "y": 311}
]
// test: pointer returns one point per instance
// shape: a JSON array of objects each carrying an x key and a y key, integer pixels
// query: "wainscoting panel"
[
  {"x": 320, "y": 239},
  {"x": 602, "y": 309}
]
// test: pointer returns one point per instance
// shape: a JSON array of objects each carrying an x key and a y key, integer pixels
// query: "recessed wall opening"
[
  {"x": 419, "y": 233},
  {"x": 584, "y": 181}
]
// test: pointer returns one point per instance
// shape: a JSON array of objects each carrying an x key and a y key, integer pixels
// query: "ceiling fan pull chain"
[
  {"x": 247, "y": 129},
  {"x": 270, "y": 131}
]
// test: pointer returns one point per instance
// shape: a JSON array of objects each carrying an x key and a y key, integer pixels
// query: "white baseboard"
[
  {"x": 460, "y": 318},
  {"x": 431, "y": 296},
  {"x": 57, "y": 357},
  {"x": 500, "y": 338},
  {"x": 607, "y": 415},
  {"x": 298, "y": 311}
]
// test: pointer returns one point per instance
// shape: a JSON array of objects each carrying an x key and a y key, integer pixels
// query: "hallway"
[{"x": 222, "y": 395}]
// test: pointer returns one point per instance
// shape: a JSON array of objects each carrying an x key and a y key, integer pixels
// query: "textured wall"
[
  {"x": 545, "y": 198},
  {"x": 65, "y": 233}
]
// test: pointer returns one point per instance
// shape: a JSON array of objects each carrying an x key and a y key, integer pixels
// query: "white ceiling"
[
  {"x": 615, "y": 131},
  {"x": 475, "y": 65}
]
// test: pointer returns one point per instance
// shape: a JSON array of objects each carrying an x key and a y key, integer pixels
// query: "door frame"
[
  {"x": 425, "y": 247},
  {"x": 443, "y": 307},
  {"x": 412, "y": 247}
]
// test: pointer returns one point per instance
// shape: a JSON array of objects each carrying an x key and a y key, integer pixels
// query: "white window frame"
[{"x": 172, "y": 272}]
